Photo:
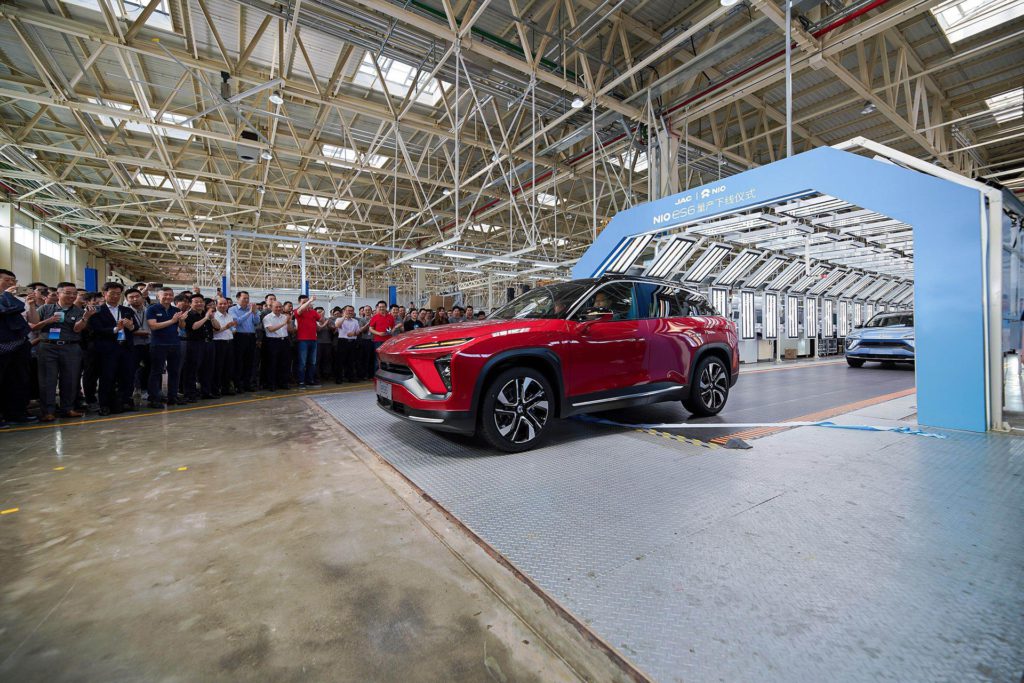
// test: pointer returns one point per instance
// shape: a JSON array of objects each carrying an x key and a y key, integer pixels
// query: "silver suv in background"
[{"x": 887, "y": 337}]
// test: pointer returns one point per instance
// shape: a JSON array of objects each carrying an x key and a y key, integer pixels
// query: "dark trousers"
[
  {"x": 244, "y": 356},
  {"x": 223, "y": 365},
  {"x": 14, "y": 382},
  {"x": 141, "y": 366},
  {"x": 197, "y": 373},
  {"x": 90, "y": 372},
  {"x": 345, "y": 360},
  {"x": 376, "y": 345},
  {"x": 117, "y": 379},
  {"x": 161, "y": 356},
  {"x": 278, "y": 362},
  {"x": 324, "y": 360},
  {"x": 365, "y": 366},
  {"x": 58, "y": 364}
]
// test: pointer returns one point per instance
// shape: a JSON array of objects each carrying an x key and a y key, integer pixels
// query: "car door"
[
  {"x": 607, "y": 354},
  {"x": 670, "y": 332}
]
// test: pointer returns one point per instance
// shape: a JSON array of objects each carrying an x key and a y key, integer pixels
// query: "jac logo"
[
  {"x": 684, "y": 200},
  {"x": 705, "y": 193}
]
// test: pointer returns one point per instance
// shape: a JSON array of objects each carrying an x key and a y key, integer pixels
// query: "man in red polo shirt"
[
  {"x": 306, "y": 319},
  {"x": 381, "y": 325}
]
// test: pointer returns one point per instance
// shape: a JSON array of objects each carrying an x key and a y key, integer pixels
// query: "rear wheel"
[
  {"x": 854, "y": 362},
  {"x": 710, "y": 388},
  {"x": 517, "y": 408}
]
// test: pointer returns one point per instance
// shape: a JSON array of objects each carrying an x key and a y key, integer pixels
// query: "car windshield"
[
  {"x": 551, "y": 301},
  {"x": 892, "y": 320}
]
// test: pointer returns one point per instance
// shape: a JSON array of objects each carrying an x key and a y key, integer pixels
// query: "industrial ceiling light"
[
  {"x": 266, "y": 155},
  {"x": 869, "y": 108},
  {"x": 728, "y": 3},
  {"x": 31, "y": 154},
  {"x": 446, "y": 192},
  {"x": 424, "y": 266},
  {"x": 275, "y": 97},
  {"x": 577, "y": 102},
  {"x": 261, "y": 189}
]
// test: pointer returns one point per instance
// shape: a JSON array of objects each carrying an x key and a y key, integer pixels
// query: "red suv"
[{"x": 559, "y": 350}]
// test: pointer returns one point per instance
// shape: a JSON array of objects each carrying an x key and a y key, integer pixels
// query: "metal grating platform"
[{"x": 817, "y": 555}]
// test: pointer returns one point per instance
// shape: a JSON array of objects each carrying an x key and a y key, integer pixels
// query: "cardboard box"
[
  {"x": 789, "y": 354},
  {"x": 436, "y": 301}
]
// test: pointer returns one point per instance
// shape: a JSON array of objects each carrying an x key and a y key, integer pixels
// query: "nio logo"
[{"x": 707, "y": 192}]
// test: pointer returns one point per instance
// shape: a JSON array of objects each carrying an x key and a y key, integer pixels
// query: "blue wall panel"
[
  {"x": 948, "y": 261},
  {"x": 91, "y": 280}
]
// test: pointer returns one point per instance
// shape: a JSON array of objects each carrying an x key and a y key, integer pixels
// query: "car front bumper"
[
  {"x": 896, "y": 353},
  {"x": 409, "y": 402}
]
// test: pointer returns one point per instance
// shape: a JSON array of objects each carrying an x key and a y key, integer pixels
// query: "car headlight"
[
  {"x": 444, "y": 369},
  {"x": 447, "y": 343},
  {"x": 852, "y": 342}
]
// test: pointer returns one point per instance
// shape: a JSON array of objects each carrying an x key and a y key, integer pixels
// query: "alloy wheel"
[
  {"x": 521, "y": 410},
  {"x": 714, "y": 385}
]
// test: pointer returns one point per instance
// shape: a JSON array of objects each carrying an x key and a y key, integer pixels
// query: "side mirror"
[{"x": 857, "y": 327}]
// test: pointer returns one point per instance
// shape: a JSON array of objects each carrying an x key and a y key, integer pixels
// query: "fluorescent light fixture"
[
  {"x": 841, "y": 288},
  {"x": 807, "y": 280},
  {"x": 826, "y": 282},
  {"x": 786, "y": 277},
  {"x": 461, "y": 255},
  {"x": 748, "y": 319},
  {"x": 409, "y": 256},
  {"x": 630, "y": 253},
  {"x": 323, "y": 202},
  {"x": 275, "y": 97},
  {"x": 201, "y": 217},
  {"x": 502, "y": 259},
  {"x": 728, "y": 3},
  {"x": 577, "y": 102},
  {"x": 31, "y": 154},
  {"x": 828, "y": 322},
  {"x": 731, "y": 224},
  {"x": 720, "y": 300},
  {"x": 544, "y": 266},
  {"x": 961, "y": 19},
  {"x": 671, "y": 257},
  {"x": 706, "y": 263},
  {"x": 811, "y": 317},
  {"x": 766, "y": 271},
  {"x": 1005, "y": 107},
  {"x": 792, "y": 322},
  {"x": 472, "y": 271},
  {"x": 738, "y": 267},
  {"x": 770, "y": 326},
  {"x": 424, "y": 266}
]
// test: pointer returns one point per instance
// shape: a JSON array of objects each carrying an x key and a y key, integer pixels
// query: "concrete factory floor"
[{"x": 251, "y": 541}]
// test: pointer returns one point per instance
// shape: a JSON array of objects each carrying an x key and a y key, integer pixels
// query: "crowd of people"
[{"x": 65, "y": 351}]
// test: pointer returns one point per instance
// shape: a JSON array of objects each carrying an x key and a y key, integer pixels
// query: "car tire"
[
  {"x": 709, "y": 390},
  {"x": 517, "y": 408},
  {"x": 854, "y": 362}
]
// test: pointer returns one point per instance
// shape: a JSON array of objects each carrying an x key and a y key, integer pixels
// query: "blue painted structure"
[
  {"x": 92, "y": 283},
  {"x": 949, "y": 262},
  {"x": 392, "y": 295}
]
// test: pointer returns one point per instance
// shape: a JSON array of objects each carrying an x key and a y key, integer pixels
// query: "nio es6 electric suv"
[
  {"x": 575, "y": 347},
  {"x": 887, "y": 337}
]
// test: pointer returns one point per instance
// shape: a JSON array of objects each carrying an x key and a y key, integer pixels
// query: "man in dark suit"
[{"x": 112, "y": 325}]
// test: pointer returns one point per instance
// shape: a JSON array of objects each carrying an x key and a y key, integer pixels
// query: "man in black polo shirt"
[
  {"x": 198, "y": 352},
  {"x": 59, "y": 352},
  {"x": 112, "y": 325},
  {"x": 164, "y": 347}
]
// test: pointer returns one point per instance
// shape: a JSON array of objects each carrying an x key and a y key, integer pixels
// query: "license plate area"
[{"x": 384, "y": 390}]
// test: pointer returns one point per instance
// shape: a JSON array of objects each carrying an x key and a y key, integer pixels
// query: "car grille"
[
  {"x": 396, "y": 369},
  {"x": 886, "y": 343}
]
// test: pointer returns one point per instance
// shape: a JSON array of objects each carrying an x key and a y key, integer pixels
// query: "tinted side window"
[
  {"x": 698, "y": 305},
  {"x": 615, "y": 298},
  {"x": 661, "y": 302}
]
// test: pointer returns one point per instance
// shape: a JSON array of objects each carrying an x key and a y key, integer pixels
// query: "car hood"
[
  {"x": 474, "y": 329},
  {"x": 894, "y": 332}
]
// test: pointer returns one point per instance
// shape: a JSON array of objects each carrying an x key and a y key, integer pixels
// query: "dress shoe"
[
  {"x": 49, "y": 417},
  {"x": 27, "y": 420},
  {"x": 104, "y": 411},
  {"x": 129, "y": 408},
  {"x": 73, "y": 413},
  {"x": 156, "y": 405}
]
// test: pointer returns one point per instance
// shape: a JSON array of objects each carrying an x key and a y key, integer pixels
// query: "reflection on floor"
[{"x": 1013, "y": 391}]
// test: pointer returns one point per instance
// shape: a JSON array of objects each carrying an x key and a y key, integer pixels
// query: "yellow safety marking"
[
  {"x": 9, "y": 511},
  {"x": 58, "y": 469},
  {"x": 176, "y": 411},
  {"x": 182, "y": 469},
  {"x": 680, "y": 438}
]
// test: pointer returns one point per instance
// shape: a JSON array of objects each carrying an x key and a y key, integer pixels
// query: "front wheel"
[
  {"x": 517, "y": 407},
  {"x": 854, "y": 362},
  {"x": 710, "y": 388}
]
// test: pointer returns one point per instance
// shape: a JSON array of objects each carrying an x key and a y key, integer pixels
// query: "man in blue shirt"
[
  {"x": 246, "y": 315},
  {"x": 164, "y": 347}
]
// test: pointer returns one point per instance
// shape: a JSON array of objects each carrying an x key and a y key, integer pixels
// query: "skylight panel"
[
  {"x": 1008, "y": 106},
  {"x": 628, "y": 158},
  {"x": 961, "y": 19},
  {"x": 546, "y": 199},
  {"x": 323, "y": 202},
  {"x": 305, "y": 228},
  {"x": 484, "y": 227},
  {"x": 554, "y": 241},
  {"x": 166, "y": 117},
  {"x": 351, "y": 156},
  {"x": 164, "y": 183},
  {"x": 400, "y": 79},
  {"x": 131, "y": 9}
]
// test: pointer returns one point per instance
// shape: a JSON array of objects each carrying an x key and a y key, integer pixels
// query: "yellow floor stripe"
[{"x": 145, "y": 412}]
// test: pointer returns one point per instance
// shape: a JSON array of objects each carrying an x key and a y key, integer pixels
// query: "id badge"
[
  {"x": 54, "y": 334},
  {"x": 120, "y": 335}
]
